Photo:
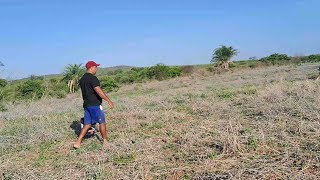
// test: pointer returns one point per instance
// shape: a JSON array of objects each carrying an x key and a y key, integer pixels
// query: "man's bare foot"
[
  {"x": 76, "y": 146},
  {"x": 107, "y": 145}
]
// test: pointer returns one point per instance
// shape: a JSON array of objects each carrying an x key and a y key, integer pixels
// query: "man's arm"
[{"x": 100, "y": 92}]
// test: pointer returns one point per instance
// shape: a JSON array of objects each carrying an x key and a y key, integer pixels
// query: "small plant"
[
  {"x": 253, "y": 142},
  {"x": 212, "y": 155}
]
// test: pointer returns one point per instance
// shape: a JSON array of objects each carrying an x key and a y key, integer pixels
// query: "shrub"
[
  {"x": 54, "y": 80},
  {"x": 137, "y": 69},
  {"x": 34, "y": 77},
  {"x": 210, "y": 69},
  {"x": 174, "y": 72},
  {"x": 125, "y": 79},
  {"x": 118, "y": 71},
  {"x": 232, "y": 65},
  {"x": 3, "y": 108},
  {"x": 276, "y": 59},
  {"x": 8, "y": 93},
  {"x": 3, "y": 83},
  {"x": 162, "y": 72},
  {"x": 253, "y": 65},
  {"x": 110, "y": 73},
  {"x": 108, "y": 84},
  {"x": 30, "y": 89},
  {"x": 187, "y": 69},
  {"x": 159, "y": 72},
  {"x": 57, "y": 88},
  {"x": 314, "y": 58}
]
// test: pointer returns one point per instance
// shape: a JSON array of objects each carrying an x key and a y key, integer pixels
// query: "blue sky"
[{"x": 43, "y": 36}]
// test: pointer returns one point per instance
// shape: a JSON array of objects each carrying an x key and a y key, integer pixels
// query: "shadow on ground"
[{"x": 76, "y": 127}]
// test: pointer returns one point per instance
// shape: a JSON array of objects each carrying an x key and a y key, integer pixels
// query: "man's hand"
[
  {"x": 111, "y": 105},
  {"x": 104, "y": 96}
]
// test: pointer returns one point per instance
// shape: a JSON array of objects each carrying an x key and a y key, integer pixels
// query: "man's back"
[{"x": 87, "y": 83}]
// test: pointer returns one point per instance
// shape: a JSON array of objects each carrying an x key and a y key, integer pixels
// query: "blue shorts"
[{"x": 93, "y": 115}]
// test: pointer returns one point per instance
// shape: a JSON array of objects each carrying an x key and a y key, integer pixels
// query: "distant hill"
[{"x": 118, "y": 67}]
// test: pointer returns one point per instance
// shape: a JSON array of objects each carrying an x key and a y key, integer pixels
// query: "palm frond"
[{"x": 223, "y": 54}]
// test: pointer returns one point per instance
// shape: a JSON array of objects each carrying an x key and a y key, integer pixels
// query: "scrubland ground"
[{"x": 259, "y": 123}]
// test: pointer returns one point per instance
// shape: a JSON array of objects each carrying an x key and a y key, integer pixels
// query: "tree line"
[{"x": 36, "y": 87}]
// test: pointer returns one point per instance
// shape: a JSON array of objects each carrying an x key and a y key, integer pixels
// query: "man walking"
[{"x": 92, "y": 96}]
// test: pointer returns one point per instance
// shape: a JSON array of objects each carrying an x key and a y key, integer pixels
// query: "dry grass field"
[{"x": 259, "y": 123}]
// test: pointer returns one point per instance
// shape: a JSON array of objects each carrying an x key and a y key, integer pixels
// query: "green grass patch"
[
  {"x": 225, "y": 94},
  {"x": 123, "y": 159}
]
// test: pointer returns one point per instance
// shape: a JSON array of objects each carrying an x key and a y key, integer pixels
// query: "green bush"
[
  {"x": 34, "y": 77},
  {"x": 210, "y": 69},
  {"x": 110, "y": 73},
  {"x": 314, "y": 58},
  {"x": 54, "y": 80},
  {"x": 276, "y": 59},
  {"x": 125, "y": 79},
  {"x": 252, "y": 65},
  {"x": 30, "y": 89},
  {"x": 57, "y": 88},
  {"x": 232, "y": 65},
  {"x": 159, "y": 72},
  {"x": 137, "y": 69},
  {"x": 3, "y": 83},
  {"x": 174, "y": 72},
  {"x": 8, "y": 93},
  {"x": 118, "y": 71},
  {"x": 108, "y": 84},
  {"x": 162, "y": 72}
]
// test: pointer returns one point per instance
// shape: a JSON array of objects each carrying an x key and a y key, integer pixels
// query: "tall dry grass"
[{"x": 251, "y": 124}]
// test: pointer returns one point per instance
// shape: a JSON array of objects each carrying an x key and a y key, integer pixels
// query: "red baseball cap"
[{"x": 91, "y": 64}]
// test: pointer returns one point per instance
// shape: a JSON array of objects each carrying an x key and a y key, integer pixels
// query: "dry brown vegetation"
[{"x": 262, "y": 123}]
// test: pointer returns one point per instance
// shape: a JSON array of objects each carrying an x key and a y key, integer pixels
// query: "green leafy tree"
[
  {"x": 72, "y": 74},
  {"x": 108, "y": 84},
  {"x": 222, "y": 56}
]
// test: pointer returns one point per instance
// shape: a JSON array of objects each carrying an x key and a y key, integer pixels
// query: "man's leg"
[
  {"x": 103, "y": 131},
  {"x": 83, "y": 132}
]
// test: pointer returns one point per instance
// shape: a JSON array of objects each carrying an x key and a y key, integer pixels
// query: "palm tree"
[
  {"x": 72, "y": 74},
  {"x": 222, "y": 56}
]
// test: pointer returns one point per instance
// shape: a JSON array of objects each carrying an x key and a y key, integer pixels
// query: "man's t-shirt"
[{"x": 87, "y": 83}]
